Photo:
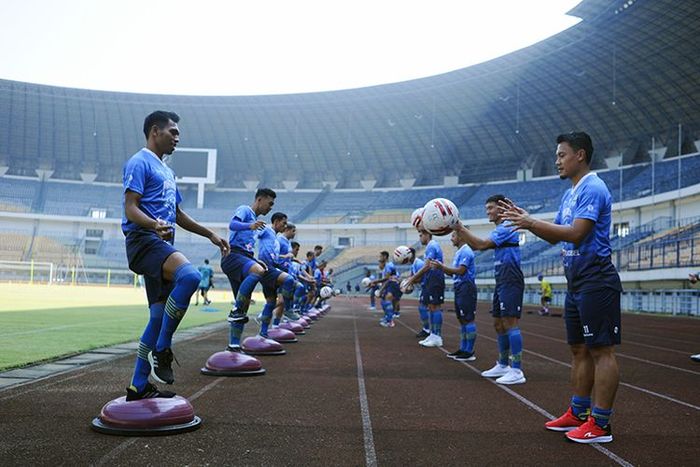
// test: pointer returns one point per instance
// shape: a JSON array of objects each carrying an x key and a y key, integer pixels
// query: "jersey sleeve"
[
  {"x": 135, "y": 175},
  {"x": 589, "y": 203},
  {"x": 500, "y": 235},
  {"x": 178, "y": 197}
]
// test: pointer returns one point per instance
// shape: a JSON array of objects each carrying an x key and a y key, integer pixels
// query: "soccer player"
[
  {"x": 508, "y": 294},
  {"x": 268, "y": 254},
  {"x": 463, "y": 272},
  {"x": 432, "y": 288},
  {"x": 206, "y": 271},
  {"x": 389, "y": 291},
  {"x": 545, "y": 294},
  {"x": 286, "y": 257},
  {"x": 416, "y": 265},
  {"x": 242, "y": 269},
  {"x": 151, "y": 210},
  {"x": 592, "y": 305}
]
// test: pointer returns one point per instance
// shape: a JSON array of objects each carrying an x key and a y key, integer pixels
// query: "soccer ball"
[
  {"x": 439, "y": 216},
  {"x": 416, "y": 218},
  {"x": 365, "y": 282},
  {"x": 378, "y": 293},
  {"x": 405, "y": 288},
  {"x": 326, "y": 292},
  {"x": 337, "y": 292},
  {"x": 402, "y": 254}
]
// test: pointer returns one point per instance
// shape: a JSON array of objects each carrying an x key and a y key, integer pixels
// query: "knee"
[{"x": 188, "y": 276}]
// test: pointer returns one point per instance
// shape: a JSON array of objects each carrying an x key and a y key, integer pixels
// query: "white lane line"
[
  {"x": 618, "y": 354},
  {"x": 627, "y": 385},
  {"x": 606, "y": 452},
  {"x": 370, "y": 452}
]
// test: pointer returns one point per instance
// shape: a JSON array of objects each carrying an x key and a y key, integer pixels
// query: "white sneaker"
[
  {"x": 497, "y": 371},
  {"x": 432, "y": 341},
  {"x": 695, "y": 358},
  {"x": 514, "y": 376},
  {"x": 424, "y": 340}
]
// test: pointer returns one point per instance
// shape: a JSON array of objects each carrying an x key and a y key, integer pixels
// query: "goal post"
[{"x": 32, "y": 272}]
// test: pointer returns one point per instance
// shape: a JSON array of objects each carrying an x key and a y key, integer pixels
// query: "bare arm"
[
  {"x": 187, "y": 223},
  {"x": 448, "y": 269},
  {"x": 133, "y": 212},
  {"x": 476, "y": 243},
  {"x": 549, "y": 231}
]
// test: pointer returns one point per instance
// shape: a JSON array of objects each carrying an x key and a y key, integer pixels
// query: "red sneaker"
[
  {"x": 590, "y": 432},
  {"x": 567, "y": 422}
]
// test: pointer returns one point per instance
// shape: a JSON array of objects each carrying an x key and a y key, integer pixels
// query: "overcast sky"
[{"x": 240, "y": 47}]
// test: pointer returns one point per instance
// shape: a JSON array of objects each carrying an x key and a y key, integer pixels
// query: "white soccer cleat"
[
  {"x": 514, "y": 376},
  {"x": 497, "y": 371},
  {"x": 433, "y": 340}
]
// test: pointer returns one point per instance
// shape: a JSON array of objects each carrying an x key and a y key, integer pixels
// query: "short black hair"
[
  {"x": 159, "y": 118},
  {"x": 309, "y": 253},
  {"x": 384, "y": 253},
  {"x": 206, "y": 261},
  {"x": 495, "y": 198},
  {"x": 278, "y": 216},
  {"x": 290, "y": 226},
  {"x": 578, "y": 140},
  {"x": 318, "y": 247},
  {"x": 296, "y": 244},
  {"x": 269, "y": 192}
]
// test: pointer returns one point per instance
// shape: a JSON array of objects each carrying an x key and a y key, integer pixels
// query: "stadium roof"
[{"x": 625, "y": 73}]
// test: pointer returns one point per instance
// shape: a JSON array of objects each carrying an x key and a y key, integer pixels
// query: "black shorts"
[
  {"x": 507, "y": 301},
  {"x": 593, "y": 317},
  {"x": 547, "y": 299},
  {"x": 433, "y": 291},
  {"x": 465, "y": 301},
  {"x": 236, "y": 266},
  {"x": 393, "y": 288},
  {"x": 146, "y": 253}
]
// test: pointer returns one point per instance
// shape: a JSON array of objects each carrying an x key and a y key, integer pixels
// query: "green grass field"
[{"x": 42, "y": 322}]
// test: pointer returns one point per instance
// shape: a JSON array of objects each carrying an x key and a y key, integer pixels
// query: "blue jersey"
[
  {"x": 588, "y": 266},
  {"x": 206, "y": 271},
  {"x": 318, "y": 277},
  {"x": 464, "y": 257},
  {"x": 269, "y": 247},
  {"x": 434, "y": 252},
  {"x": 243, "y": 239},
  {"x": 293, "y": 269},
  {"x": 144, "y": 173},
  {"x": 285, "y": 248},
  {"x": 507, "y": 255},
  {"x": 389, "y": 270},
  {"x": 417, "y": 265}
]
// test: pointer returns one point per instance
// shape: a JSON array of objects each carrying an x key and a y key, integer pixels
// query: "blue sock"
[
  {"x": 388, "y": 308},
  {"x": 503, "y": 349},
  {"x": 601, "y": 416},
  {"x": 298, "y": 297},
  {"x": 436, "y": 322},
  {"x": 463, "y": 337},
  {"x": 276, "y": 321},
  {"x": 186, "y": 282},
  {"x": 580, "y": 405},
  {"x": 266, "y": 317},
  {"x": 234, "y": 333},
  {"x": 516, "y": 347},
  {"x": 147, "y": 343},
  {"x": 424, "y": 317},
  {"x": 471, "y": 336},
  {"x": 245, "y": 291}
]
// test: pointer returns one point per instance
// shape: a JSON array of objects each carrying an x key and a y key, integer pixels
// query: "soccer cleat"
[
  {"x": 233, "y": 348},
  {"x": 590, "y": 432},
  {"x": 291, "y": 315},
  {"x": 695, "y": 358},
  {"x": 453, "y": 354},
  {"x": 372, "y": 308},
  {"x": 514, "y": 376},
  {"x": 148, "y": 392},
  {"x": 497, "y": 371},
  {"x": 386, "y": 324},
  {"x": 462, "y": 356},
  {"x": 422, "y": 334},
  {"x": 161, "y": 366},
  {"x": 568, "y": 421},
  {"x": 432, "y": 341},
  {"x": 236, "y": 316},
  {"x": 397, "y": 315}
]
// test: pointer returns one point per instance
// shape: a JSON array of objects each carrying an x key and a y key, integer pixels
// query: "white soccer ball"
[
  {"x": 402, "y": 254},
  {"x": 439, "y": 216},
  {"x": 405, "y": 288},
  {"x": 326, "y": 292},
  {"x": 366, "y": 282},
  {"x": 337, "y": 292},
  {"x": 416, "y": 218},
  {"x": 378, "y": 293}
]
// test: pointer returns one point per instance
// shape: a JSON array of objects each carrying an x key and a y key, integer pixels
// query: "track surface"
[{"x": 352, "y": 393}]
